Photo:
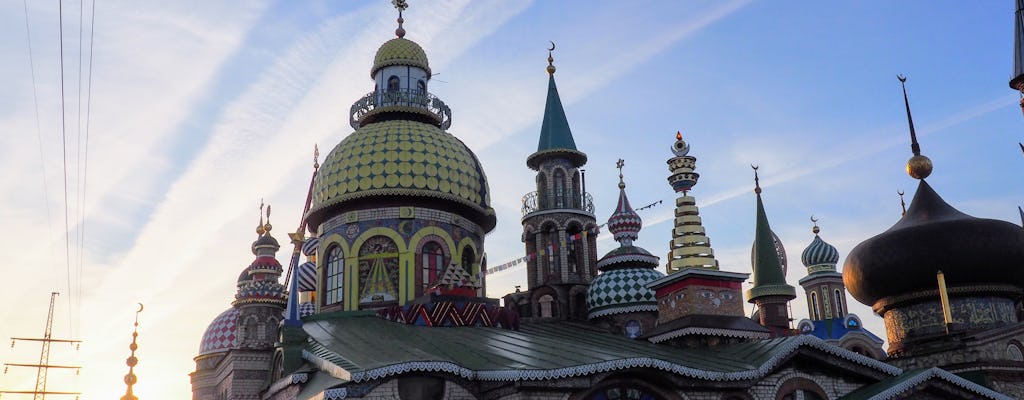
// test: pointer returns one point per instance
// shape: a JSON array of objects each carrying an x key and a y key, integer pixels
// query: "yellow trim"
[
  {"x": 352, "y": 298},
  {"x": 414, "y": 243}
]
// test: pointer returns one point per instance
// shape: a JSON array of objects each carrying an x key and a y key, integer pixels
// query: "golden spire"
[
  {"x": 757, "y": 182},
  {"x": 259, "y": 228},
  {"x": 267, "y": 227},
  {"x": 903, "y": 204},
  {"x": 551, "y": 60},
  {"x": 401, "y": 5},
  {"x": 919, "y": 166},
  {"x": 130, "y": 379}
]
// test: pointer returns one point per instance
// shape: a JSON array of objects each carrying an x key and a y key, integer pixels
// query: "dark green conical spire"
[
  {"x": 555, "y": 136},
  {"x": 769, "y": 280}
]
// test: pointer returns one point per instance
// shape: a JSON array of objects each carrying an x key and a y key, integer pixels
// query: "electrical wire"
[
  {"x": 85, "y": 164},
  {"x": 64, "y": 152}
]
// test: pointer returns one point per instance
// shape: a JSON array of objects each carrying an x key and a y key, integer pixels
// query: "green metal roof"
[
  {"x": 555, "y": 135},
  {"x": 360, "y": 346},
  {"x": 906, "y": 386},
  {"x": 769, "y": 279}
]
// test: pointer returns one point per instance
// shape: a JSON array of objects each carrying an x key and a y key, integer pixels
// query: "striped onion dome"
[
  {"x": 222, "y": 334},
  {"x": 310, "y": 246},
  {"x": 624, "y": 224},
  {"x": 306, "y": 309},
  {"x": 306, "y": 276},
  {"x": 819, "y": 256}
]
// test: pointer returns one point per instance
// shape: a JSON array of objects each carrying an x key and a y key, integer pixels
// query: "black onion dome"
[{"x": 934, "y": 236}]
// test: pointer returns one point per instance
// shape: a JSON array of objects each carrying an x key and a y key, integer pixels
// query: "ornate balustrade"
[
  {"x": 414, "y": 100},
  {"x": 532, "y": 202}
]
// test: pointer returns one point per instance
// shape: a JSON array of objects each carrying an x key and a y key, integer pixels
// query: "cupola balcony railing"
[
  {"x": 533, "y": 202},
  {"x": 409, "y": 100}
]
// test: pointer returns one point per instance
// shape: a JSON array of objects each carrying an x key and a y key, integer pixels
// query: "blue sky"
[{"x": 200, "y": 109}]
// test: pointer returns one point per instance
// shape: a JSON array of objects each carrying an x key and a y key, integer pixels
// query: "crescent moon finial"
[
  {"x": 757, "y": 182},
  {"x": 813, "y": 219},
  {"x": 141, "y": 307},
  {"x": 815, "y": 229},
  {"x": 551, "y": 60},
  {"x": 552, "y": 45}
]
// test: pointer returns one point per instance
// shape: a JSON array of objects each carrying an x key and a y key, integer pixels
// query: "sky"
[{"x": 199, "y": 109}]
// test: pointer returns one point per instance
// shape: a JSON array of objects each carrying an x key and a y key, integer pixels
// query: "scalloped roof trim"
[
  {"x": 618, "y": 309},
  {"x": 708, "y": 331},
  {"x": 622, "y": 258}
]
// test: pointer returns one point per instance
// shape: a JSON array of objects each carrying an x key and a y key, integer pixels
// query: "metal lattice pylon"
[{"x": 43, "y": 367}]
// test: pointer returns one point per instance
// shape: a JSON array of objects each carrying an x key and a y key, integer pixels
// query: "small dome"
[
  {"x": 934, "y": 236},
  {"x": 265, "y": 243},
  {"x": 222, "y": 334},
  {"x": 306, "y": 276},
  {"x": 622, "y": 291},
  {"x": 819, "y": 253},
  {"x": 635, "y": 256},
  {"x": 624, "y": 224},
  {"x": 306, "y": 309},
  {"x": 399, "y": 159},
  {"x": 400, "y": 51},
  {"x": 310, "y": 246}
]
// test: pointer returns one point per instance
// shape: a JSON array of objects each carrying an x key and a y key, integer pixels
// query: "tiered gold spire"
[
  {"x": 130, "y": 379},
  {"x": 690, "y": 245}
]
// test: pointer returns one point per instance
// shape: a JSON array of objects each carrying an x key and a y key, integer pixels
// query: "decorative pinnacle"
[
  {"x": 619, "y": 164},
  {"x": 130, "y": 379},
  {"x": 551, "y": 60},
  {"x": 401, "y": 5},
  {"x": 316, "y": 156},
  {"x": 757, "y": 182},
  {"x": 267, "y": 227},
  {"x": 816, "y": 229},
  {"x": 919, "y": 166},
  {"x": 260, "y": 230},
  {"x": 680, "y": 148},
  {"x": 903, "y": 204}
]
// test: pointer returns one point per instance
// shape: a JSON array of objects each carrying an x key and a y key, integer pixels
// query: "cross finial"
[
  {"x": 619, "y": 164},
  {"x": 757, "y": 182}
]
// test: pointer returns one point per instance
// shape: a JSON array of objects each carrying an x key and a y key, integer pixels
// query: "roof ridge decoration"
[
  {"x": 768, "y": 273},
  {"x": 555, "y": 135},
  {"x": 690, "y": 245},
  {"x": 782, "y": 353}
]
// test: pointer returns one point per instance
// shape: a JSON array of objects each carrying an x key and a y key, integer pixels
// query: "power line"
[
  {"x": 85, "y": 164},
  {"x": 64, "y": 152}
]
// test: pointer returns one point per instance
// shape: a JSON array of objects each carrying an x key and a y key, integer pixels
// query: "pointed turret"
[
  {"x": 770, "y": 293},
  {"x": 555, "y": 136}
]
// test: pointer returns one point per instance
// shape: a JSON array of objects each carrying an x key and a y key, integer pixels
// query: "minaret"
[
  {"x": 826, "y": 294},
  {"x": 770, "y": 293},
  {"x": 1017, "y": 83},
  {"x": 261, "y": 299},
  {"x": 559, "y": 228},
  {"x": 690, "y": 245}
]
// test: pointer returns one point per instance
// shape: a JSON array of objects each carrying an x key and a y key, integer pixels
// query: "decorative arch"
[
  {"x": 432, "y": 257},
  {"x": 474, "y": 267},
  {"x": 355, "y": 285},
  {"x": 333, "y": 240},
  {"x": 1014, "y": 351},
  {"x": 333, "y": 276},
  {"x": 542, "y": 294},
  {"x": 789, "y": 388},
  {"x": 417, "y": 241}
]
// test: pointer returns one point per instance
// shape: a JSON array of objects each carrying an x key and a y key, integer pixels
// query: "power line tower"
[{"x": 44, "y": 365}]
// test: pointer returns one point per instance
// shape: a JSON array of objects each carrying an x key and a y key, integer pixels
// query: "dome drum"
[
  {"x": 418, "y": 104},
  {"x": 918, "y": 317}
]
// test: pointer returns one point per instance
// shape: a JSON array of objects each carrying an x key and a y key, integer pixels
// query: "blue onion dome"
[
  {"x": 310, "y": 246},
  {"x": 221, "y": 335},
  {"x": 621, "y": 287},
  {"x": 819, "y": 255},
  {"x": 400, "y": 51},
  {"x": 934, "y": 236},
  {"x": 400, "y": 161},
  {"x": 306, "y": 275}
]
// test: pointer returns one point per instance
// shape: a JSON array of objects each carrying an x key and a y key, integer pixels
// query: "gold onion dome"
[
  {"x": 402, "y": 158},
  {"x": 400, "y": 51}
]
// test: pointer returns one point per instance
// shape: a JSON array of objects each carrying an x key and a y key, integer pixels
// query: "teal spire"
[
  {"x": 555, "y": 136},
  {"x": 769, "y": 278}
]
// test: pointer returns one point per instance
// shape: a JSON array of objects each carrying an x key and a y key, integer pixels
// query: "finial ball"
[{"x": 919, "y": 167}]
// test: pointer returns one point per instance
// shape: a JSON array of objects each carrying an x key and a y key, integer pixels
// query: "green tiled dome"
[
  {"x": 402, "y": 158},
  {"x": 622, "y": 291},
  {"x": 400, "y": 51}
]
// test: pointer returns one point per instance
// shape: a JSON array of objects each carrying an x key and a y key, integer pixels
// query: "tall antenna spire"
[
  {"x": 919, "y": 166},
  {"x": 401, "y": 5},
  {"x": 130, "y": 379}
]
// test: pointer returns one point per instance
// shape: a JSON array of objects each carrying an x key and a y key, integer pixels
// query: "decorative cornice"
[
  {"x": 617, "y": 309},
  {"x": 697, "y": 273},
  {"x": 709, "y": 332}
]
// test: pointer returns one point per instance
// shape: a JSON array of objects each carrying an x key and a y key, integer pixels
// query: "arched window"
[
  {"x": 839, "y": 303},
  {"x": 542, "y": 192},
  {"x": 559, "y": 188},
  {"x": 577, "y": 196},
  {"x": 815, "y": 314},
  {"x": 335, "y": 276},
  {"x": 378, "y": 271},
  {"x": 468, "y": 258},
  {"x": 393, "y": 83},
  {"x": 421, "y": 87},
  {"x": 1013, "y": 353},
  {"x": 432, "y": 263},
  {"x": 545, "y": 306}
]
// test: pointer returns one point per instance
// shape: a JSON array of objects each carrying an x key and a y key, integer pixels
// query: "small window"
[
  {"x": 815, "y": 314},
  {"x": 839, "y": 303},
  {"x": 335, "y": 281},
  {"x": 393, "y": 83},
  {"x": 421, "y": 87}
]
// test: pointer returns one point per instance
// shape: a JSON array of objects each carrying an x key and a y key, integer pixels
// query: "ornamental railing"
[
  {"x": 414, "y": 100},
  {"x": 533, "y": 202}
]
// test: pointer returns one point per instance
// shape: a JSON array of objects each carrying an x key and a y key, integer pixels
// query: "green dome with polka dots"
[{"x": 397, "y": 159}]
